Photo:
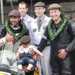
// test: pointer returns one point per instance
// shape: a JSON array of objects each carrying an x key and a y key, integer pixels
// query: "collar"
[
  {"x": 41, "y": 17},
  {"x": 25, "y": 17}
]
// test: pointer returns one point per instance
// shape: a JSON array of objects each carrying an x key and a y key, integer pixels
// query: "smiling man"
[
  {"x": 15, "y": 25},
  {"x": 60, "y": 35}
]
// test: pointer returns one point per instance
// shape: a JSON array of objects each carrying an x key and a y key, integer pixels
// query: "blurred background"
[{"x": 7, "y": 5}]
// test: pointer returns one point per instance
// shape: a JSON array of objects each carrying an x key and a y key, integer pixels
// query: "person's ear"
[{"x": 44, "y": 9}]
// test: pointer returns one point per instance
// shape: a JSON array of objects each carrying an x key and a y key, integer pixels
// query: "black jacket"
[
  {"x": 21, "y": 31},
  {"x": 65, "y": 39}
]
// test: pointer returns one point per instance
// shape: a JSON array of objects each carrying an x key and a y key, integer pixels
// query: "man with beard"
[{"x": 15, "y": 25}]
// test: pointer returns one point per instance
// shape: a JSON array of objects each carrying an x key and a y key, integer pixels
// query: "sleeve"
[
  {"x": 71, "y": 46},
  {"x": 2, "y": 32},
  {"x": 44, "y": 40},
  {"x": 36, "y": 51},
  {"x": 2, "y": 43}
]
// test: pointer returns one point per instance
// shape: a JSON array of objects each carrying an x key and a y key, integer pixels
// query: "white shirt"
[
  {"x": 29, "y": 22},
  {"x": 37, "y": 34}
]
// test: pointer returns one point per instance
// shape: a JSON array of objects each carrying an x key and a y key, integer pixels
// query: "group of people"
[{"x": 25, "y": 40}]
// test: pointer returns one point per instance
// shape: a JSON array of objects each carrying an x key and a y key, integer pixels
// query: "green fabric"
[
  {"x": 17, "y": 35},
  {"x": 52, "y": 34}
]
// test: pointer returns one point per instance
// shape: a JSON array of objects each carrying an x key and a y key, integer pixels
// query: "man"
[
  {"x": 7, "y": 51},
  {"x": 15, "y": 25},
  {"x": 60, "y": 35},
  {"x": 37, "y": 30},
  {"x": 27, "y": 20},
  {"x": 41, "y": 21}
]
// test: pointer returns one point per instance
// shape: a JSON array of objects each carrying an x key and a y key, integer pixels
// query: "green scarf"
[
  {"x": 52, "y": 34},
  {"x": 16, "y": 35}
]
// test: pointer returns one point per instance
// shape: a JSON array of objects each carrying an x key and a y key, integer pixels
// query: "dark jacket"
[
  {"x": 64, "y": 40},
  {"x": 2, "y": 31},
  {"x": 17, "y": 33},
  {"x": 71, "y": 46}
]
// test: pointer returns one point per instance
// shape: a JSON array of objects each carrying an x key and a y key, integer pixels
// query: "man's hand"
[{"x": 62, "y": 54}]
